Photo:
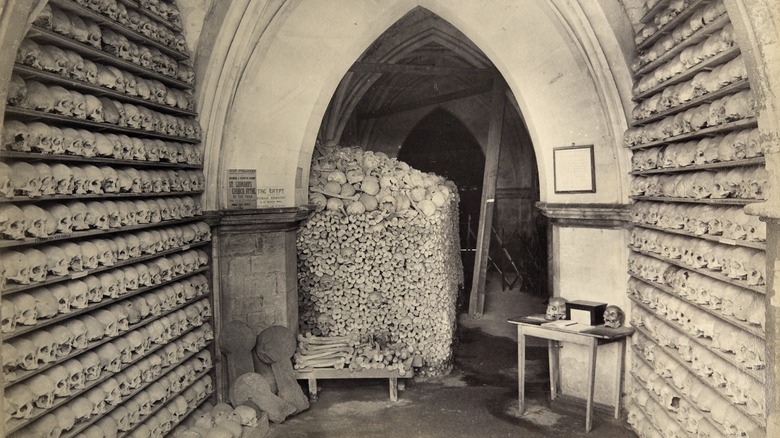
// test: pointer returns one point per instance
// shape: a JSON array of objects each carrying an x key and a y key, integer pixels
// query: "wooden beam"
[
  {"x": 477, "y": 296},
  {"x": 429, "y": 70},
  {"x": 428, "y": 101}
]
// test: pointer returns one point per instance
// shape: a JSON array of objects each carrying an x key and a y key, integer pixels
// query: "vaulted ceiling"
[{"x": 420, "y": 61}]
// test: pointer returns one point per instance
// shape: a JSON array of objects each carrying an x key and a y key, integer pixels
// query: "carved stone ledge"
[
  {"x": 587, "y": 215},
  {"x": 260, "y": 219}
]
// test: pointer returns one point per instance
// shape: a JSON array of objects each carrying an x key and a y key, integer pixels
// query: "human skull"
[
  {"x": 96, "y": 330},
  {"x": 556, "y": 309},
  {"x": 19, "y": 402},
  {"x": 108, "y": 320},
  {"x": 79, "y": 331},
  {"x": 43, "y": 389},
  {"x": 61, "y": 378},
  {"x": 25, "y": 180},
  {"x": 46, "y": 303}
]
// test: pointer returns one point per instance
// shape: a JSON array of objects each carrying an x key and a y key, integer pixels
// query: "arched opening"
[
  {"x": 441, "y": 144},
  {"x": 421, "y": 92}
]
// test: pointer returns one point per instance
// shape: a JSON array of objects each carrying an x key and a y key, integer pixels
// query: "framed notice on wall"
[{"x": 574, "y": 170}]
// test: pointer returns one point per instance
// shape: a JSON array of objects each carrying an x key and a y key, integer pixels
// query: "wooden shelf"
[
  {"x": 158, "y": 18},
  {"x": 103, "y": 196},
  {"x": 165, "y": 403},
  {"x": 17, "y": 424},
  {"x": 671, "y": 24},
  {"x": 60, "y": 120},
  {"x": 748, "y": 123},
  {"x": 78, "y": 275},
  {"x": 96, "y": 90},
  {"x": 708, "y": 64},
  {"x": 652, "y": 12},
  {"x": 79, "y": 427},
  {"x": 732, "y": 88},
  {"x": 130, "y": 34},
  {"x": 712, "y": 274},
  {"x": 45, "y": 36},
  {"x": 724, "y": 201},
  {"x": 729, "y": 359},
  {"x": 760, "y": 421},
  {"x": 744, "y": 326},
  {"x": 758, "y": 161},
  {"x": 717, "y": 239},
  {"x": 33, "y": 156},
  {"x": 700, "y": 35},
  {"x": 91, "y": 233},
  {"x": 679, "y": 395},
  {"x": 23, "y": 375}
]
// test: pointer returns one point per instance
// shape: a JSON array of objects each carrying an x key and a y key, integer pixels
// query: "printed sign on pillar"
[{"x": 242, "y": 188}]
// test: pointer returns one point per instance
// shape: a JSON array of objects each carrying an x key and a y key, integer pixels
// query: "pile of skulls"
[
  {"x": 56, "y": 343},
  {"x": 41, "y": 179},
  {"x": 71, "y": 65},
  {"x": 32, "y": 307},
  {"x": 701, "y": 220},
  {"x": 730, "y": 108},
  {"x": 701, "y": 18},
  {"x": 41, "y": 138},
  {"x": 738, "y": 182},
  {"x": 702, "y": 84},
  {"x": 688, "y": 58},
  {"x": 382, "y": 257},
  {"x": 737, "y": 145},
  {"x": 53, "y": 218},
  {"x": 738, "y": 263},
  {"x": 57, "y": 100},
  {"x": 221, "y": 421}
]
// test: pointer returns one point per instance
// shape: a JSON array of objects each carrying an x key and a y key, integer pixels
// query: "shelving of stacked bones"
[
  {"x": 697, "y": 261},
  {"x": 106, "y": 306}
]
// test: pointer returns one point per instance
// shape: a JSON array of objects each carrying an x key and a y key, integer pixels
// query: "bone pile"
[
  {"x": 222, "y": 421},
  {"x": 347, "y": 352},
  {"x": 381, "y": 255}
]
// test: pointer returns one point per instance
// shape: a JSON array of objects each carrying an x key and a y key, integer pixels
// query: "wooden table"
[
  {"x": 330, "y": 373},
  {"x": 592, "y": 338}
]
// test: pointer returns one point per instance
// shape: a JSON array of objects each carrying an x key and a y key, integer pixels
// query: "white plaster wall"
[
  {"x": 283, "y": 93},
  {"x": 590, "y": 264}
]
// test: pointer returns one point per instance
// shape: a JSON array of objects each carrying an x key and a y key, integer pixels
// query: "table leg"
[
  {"x": 619, "y": 381},
  {"x": 591, "y": 384},
  {"x": 552, "y": 356},
  {"x": 521, "y": 369},
  {"x": 313, "y": 390},
  {"x": 394, "y": 389}
]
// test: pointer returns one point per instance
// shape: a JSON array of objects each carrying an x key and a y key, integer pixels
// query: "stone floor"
[{"x": 478, "y": 399}]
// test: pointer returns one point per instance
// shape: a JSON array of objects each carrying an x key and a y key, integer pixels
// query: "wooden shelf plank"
[
  {"x": 671, "y": 24},
  {"x": 60, "y": 120},
  {"x": 724, "y": 201},
  {"x": 130, "y": 34},
  {"x": 733, "y": 88},
  {"x": 744, "y": 326},
  {"x": 26, "y": 72},
  {"x": 758, "y": 161},
  {"x": 44, "y": 36},
  {"x": 77, "y": 275},
  {"x": 756, "y": 375},
  {"x": 652, "y": 12},
  {"x": 708, "y": 273},
  {"x": 717, "y": 239},
  {"x": 748, "y": 123},
  {"x": 91, "y": 233},
  {"x": 760, "y": 421},
  {"x": 34, "y": 156},
  {"x": 700, "y": 35},
  {"x": 708, "y": 64}
]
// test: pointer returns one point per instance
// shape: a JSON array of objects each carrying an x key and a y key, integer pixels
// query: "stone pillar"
[{"x": 257, "y": 278}]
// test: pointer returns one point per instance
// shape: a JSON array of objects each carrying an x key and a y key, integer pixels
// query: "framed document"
[{"x": 574, "y": 170}]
